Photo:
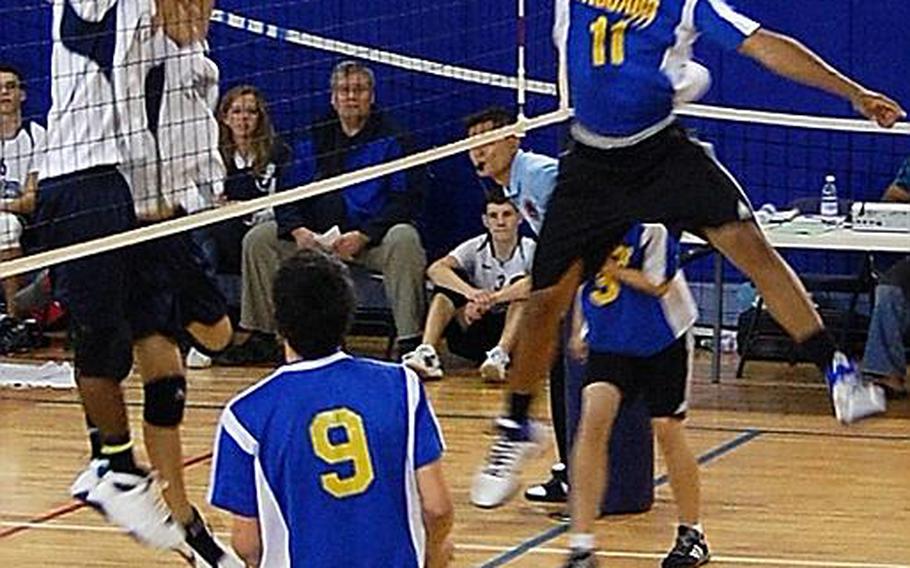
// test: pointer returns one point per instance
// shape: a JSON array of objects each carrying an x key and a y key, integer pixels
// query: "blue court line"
[{"x": 554, "y": 532}]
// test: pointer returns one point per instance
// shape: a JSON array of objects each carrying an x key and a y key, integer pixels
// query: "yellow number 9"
[{"x": 354, "y": 450}]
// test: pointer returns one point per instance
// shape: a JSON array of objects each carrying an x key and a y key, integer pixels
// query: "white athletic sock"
[
  {"x": 581, "y": 541},
  {"x": 696, "y": 526}
]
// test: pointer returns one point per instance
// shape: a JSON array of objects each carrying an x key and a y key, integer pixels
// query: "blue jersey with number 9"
[
  {"x": 627, "y": 58},
  {"x": 324, "y": 454}
]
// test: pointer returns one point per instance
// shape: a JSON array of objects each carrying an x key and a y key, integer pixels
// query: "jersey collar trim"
[{"x": 310, "y": 364}]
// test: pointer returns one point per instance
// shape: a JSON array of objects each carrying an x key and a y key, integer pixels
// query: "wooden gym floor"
[{"x": 784, "y": 484}]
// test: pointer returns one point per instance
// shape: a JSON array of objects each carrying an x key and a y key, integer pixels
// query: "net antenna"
[{"x": 521, "y": 72}]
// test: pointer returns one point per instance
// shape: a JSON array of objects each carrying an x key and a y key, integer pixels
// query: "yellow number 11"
[{"x": 600, "y": 28}]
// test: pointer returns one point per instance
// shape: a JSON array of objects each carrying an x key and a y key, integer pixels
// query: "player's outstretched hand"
[{"x": 878, "y": 107}]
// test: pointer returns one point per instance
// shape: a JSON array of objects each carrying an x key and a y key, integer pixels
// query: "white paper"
[
  {"x": 50, "y": 375},
  {"x": 327, "y": 239}
]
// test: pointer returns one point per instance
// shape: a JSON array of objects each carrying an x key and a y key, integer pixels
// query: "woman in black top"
[{"x": 255, "y": 159}]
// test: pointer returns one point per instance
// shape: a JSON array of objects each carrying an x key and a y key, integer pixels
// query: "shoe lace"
[
  {"x": 503, "y": 455},
  {"x": 686, "y": 541}
]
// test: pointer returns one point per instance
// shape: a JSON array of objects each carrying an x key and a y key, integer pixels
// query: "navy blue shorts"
[
  {"x": 171, "y": 287},
  {"x": 79, "y": 207},
  {"x": 667, "y": 178},
  {"x": 156, "y": 287},
  {"x": 661, "y": 379}
]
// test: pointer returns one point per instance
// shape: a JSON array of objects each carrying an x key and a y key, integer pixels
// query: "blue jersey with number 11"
[
  {"x": 324, "y": 453},
  {"x": 626, "y": 58}
]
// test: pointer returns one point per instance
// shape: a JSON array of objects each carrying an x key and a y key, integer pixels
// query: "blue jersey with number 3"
[
  {"x": 626, "y": 58},
  {"x": 625, "y": 321},
  {"x": 324, "y": 454}
]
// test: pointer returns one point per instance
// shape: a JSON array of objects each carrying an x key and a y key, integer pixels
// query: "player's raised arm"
[
  {"x": 791, "y": 59},
  {"x": 185, "y": 21}
]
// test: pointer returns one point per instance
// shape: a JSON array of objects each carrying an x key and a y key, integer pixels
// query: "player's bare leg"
[
  {"x": 442, "y": 310},
  {"x": 510, "y": 329},
  {"x": 537, "y": 337},
  {"x": 746, "y": 247},
  {"x": 682, "y": 468},
  {"x": 588, "y": 474},
  {"x": 690, "y": 547},
  {"x": 517, "y": 439},
  {"x": 743, "y": 243},
  {"x": 214, "y": 337},
  {"x": 158, "y": 356},
  {"x": 159, "y": 361}
]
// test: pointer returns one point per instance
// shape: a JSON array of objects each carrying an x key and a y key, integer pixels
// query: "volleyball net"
[{"x": 432, "y": 64}]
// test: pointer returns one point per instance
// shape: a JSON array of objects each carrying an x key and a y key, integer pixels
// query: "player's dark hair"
[
  {"x": 314, "y": 303},
  {"x": 7, "y": 68},
  {"x": 498, "y": 115},
  {"x": 497, "y": 196}
]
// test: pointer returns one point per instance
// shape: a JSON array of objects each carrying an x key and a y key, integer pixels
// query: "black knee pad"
[
  {"x": 105, "y": 352},
  {"x": 165, "y": 399}
]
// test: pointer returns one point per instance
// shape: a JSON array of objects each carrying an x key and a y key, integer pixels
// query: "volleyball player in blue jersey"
[
  {"x": 332, "y": 460},
  {"x": 629, "y": 160},
  {"x": 637, "y": 311}
]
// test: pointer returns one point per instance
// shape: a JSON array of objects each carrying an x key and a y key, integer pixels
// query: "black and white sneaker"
[
  {"x": 202, "y": 550},
  {"x": 690, "y": 550},
  {"x": 581, "y": 559},
  {"x": 425, "y": 362},
  {"x": 555, "y": 490}
]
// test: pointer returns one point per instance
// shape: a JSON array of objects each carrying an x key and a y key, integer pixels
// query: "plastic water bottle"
[{"x": 828, "y": 207}]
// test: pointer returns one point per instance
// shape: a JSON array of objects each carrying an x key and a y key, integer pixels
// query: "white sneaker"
[
  {"x": 855, "y": 401},
  {"x": 195, "y": 359},
  {"x": 424, "y": 361},
  {"x": 852, "y": 398},
  {"x": 88, "y": 479},
  {"x": 134, "y": 503},
  {"x": 498, "y": 480},
  {"x": 494, "y": 368}
]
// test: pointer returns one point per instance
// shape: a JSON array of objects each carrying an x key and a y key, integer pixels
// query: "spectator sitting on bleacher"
[
  {"x": 375, "y": 218},
  {"x": 255, "y": 159},
  {"x": 21, "y": 158},
  {"x": 885, "y": 358},
  {"x": 480, "y": 291}
]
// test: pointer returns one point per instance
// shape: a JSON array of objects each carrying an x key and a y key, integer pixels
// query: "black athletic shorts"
[
  {"x": 79, "y": 207},
  {"x": 172, "y": 287},
  {"x": 479, "y": 337},
  {"x": 662, "y": 379},
  {"x": 667, "y": 178}
]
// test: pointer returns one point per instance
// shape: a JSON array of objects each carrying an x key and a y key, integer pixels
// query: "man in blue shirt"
[
  {"x": 628, "y": 160},
  {"x": 331, "y": 460},
  {"x": 374, "y": 219}
]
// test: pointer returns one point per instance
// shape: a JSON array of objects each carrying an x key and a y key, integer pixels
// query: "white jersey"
[
  {"x": 89, "y": 116},
  {"x": 20, "y": 156},
  {"x": 477, "y": 258},
  {"x": 174, "y": 158}
]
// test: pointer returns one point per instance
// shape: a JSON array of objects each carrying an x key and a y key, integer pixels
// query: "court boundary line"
[
  {"x": 475, "y": 547},
  {"x": 553, "y": 532},
  {"x": 73, "y": 506},
  {"x": 729, "y": 559}
]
